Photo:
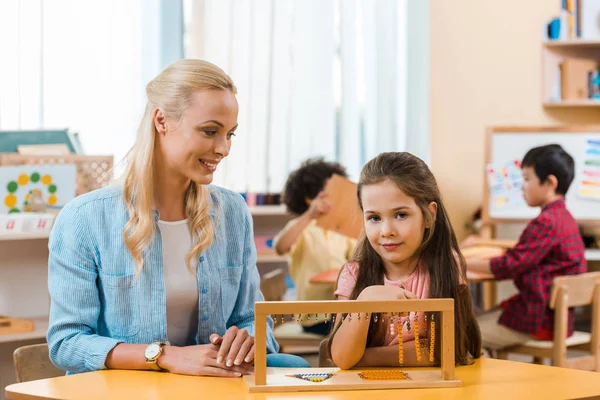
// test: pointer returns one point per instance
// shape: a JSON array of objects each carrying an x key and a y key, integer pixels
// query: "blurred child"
[
  {"x": 409, "y": 250},
  {"x": 311, "y": 249},
  {"x": 550, "y": 246}
]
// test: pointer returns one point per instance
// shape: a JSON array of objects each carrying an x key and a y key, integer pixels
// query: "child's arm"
[
  {"x": 479, "y": 265},
  {"x": 349, "y": 342},
  {"x": 387, "y": 356},
  {"x": 289, "y": 236},
  {"x": 535, "y": 243}
]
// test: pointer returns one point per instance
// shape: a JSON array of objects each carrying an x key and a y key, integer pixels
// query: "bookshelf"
[
  {"x": 554, "y": 52},
  {"x": 25, "y": 236},
  {"x": 40, "y": 328}
]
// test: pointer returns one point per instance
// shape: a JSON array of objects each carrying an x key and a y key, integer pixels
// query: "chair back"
[
  {"x": 573, "y": 291},
  {"x": 33, "y": 362},
  {"x": 273, "y": 286}
]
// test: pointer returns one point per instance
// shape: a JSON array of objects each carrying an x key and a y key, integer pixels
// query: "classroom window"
[
  {"x": 315, "y": 78},
  {"x": 75, "y": 64}
]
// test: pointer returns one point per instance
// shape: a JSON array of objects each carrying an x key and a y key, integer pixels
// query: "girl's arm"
[
  {"x": 349, "y": 342},
  {"x": 387, "y": 356}
]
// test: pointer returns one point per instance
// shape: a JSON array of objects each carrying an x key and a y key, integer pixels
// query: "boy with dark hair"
[
  {"x": 311, "y": 249},
  {"x": 550, "y": 246}
]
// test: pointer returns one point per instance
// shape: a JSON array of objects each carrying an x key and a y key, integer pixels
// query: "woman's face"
[{"x": 192, "y": 147}]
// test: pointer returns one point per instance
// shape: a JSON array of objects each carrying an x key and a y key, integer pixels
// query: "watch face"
[{"x": 152, "y": 351}]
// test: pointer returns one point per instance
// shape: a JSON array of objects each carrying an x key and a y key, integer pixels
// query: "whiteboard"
[{"x": 508, "y": 146}]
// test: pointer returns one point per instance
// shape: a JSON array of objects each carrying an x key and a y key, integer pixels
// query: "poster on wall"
[
  {"x": 36, "y": 188},
  {"x": 589, "y": 178},
  {"x": 505, "y": 182}
]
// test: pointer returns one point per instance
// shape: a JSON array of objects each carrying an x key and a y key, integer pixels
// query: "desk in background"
[{"x": 486, "y": 379}]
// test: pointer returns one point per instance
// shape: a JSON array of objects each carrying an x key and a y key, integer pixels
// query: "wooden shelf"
[
  {"x": 25, "y": 236},
  {"x": 571, "y": 43},
  {"x": 554, "y": 52},
  {"x": 270, "y": 258},
  {"x": 572, "y": 103},
  {"x": 39, "y": 332},
  {"x": 267, "y": 210}
]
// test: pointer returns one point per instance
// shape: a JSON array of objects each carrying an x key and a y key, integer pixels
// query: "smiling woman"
[{"x": 160, "y": 272}]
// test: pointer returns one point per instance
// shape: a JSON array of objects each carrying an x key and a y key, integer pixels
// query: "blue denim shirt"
[{"x": 96, "y": 303}]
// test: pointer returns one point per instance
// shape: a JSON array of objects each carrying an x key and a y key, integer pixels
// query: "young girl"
[{"x": 408, "y": 251}]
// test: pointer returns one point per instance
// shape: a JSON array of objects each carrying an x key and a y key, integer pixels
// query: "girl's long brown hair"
[{"x": 439, "y": 251}]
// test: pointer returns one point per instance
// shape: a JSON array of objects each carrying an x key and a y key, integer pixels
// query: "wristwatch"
[{"x": 152, "y": 353}]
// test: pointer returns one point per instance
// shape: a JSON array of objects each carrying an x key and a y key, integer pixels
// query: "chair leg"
[
  {"x": 538, "y": 360},
  {"x": 502, "y": 355}
]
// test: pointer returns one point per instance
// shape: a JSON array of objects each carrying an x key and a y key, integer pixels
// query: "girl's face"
[
  {"x": 394, "y": 224},
  {"x": 192, "y": 147}
]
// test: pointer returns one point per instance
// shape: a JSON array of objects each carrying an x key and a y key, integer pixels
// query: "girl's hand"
[
  {"x": 319, "y": 206},
  {"x": 381, "y": 292},
  {"x": 199, "y": 360},
  {"x": 236, "y": 347}
]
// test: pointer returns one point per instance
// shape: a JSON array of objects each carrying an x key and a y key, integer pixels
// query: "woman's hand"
[
  {"x": 199, "y": 360},
  {"x": 236, "y": 347},
  {"x": 381, "y": 292}
]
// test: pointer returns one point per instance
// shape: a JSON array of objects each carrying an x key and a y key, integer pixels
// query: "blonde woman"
[{"x": 159, "y": 273}]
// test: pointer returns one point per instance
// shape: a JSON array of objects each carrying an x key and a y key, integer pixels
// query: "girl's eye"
[
  {"x": 373, "y": 218},
  {"x": 401, "y": 215},
  {"x": 210, "y": 133},
  {"x": 230, "y": 135}
]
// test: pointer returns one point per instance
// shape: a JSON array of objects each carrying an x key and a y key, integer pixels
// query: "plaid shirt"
[{"x": 550, "y": 246}]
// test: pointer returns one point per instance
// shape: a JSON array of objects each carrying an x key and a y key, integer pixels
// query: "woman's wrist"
[{"x": 167, "y": 358}]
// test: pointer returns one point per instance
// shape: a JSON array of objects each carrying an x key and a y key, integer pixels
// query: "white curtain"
[
  {"x": 315, "y": 78},
  {"x": 83, "y": 65}
]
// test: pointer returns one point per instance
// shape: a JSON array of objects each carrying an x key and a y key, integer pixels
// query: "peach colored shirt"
[{"x": 417, "y": 283}]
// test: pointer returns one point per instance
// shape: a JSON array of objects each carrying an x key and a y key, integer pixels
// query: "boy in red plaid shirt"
[{"x": 550, "y": 246}]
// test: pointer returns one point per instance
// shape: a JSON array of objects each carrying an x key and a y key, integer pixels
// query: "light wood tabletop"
[{"x": 486, "y": 379}]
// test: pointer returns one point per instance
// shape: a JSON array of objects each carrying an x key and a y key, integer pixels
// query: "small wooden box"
[
  {"x": 574, "y": 78},
  {"x": 10, "y": 325}
]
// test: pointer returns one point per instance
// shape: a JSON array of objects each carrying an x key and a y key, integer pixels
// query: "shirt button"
[
  {"x": 204, "y": 290},
  {"x": 205, "y": 318},
  {"x": 201, "y": 258}
]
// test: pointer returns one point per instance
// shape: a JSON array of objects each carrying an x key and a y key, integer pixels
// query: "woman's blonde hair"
[{"x": 170, "y": 92}]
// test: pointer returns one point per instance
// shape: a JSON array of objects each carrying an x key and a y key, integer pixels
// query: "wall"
[{"x": 485, "y": 70}]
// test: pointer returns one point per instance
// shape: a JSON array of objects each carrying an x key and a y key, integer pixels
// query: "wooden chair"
[
  {"x": 324, "y": 360},
  {"x": 33, "y": 362},
  {"x": 568, "y": 291},
  {"x": 273, "y": 286},
  {"x": 290, "y": 335}
]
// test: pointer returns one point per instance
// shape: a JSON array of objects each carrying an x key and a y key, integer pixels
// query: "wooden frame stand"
[{"x": 348, "y": 379}]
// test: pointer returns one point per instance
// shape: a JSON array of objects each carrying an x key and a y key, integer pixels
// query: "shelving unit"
[
  {"x": 553, "y": 53},
  {"x": 270, "y": 258},
  {"x": 25, "y": 236},
  {"x": 572, "y": 103},
  {"x": 257, "y": 211},
  {"x": 39, "y": 332}
]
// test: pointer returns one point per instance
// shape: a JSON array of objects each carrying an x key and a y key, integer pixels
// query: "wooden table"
[{"x": 486, "y": 379}]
